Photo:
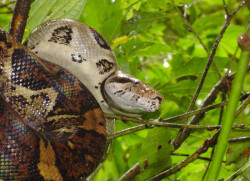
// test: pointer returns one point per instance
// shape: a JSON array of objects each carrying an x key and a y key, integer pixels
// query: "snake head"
[{"x": 128, "y": 95}]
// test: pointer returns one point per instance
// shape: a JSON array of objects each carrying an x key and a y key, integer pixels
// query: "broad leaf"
[
  {"x": 156, "y": 151},
  {"x": 42, "y": 11}
]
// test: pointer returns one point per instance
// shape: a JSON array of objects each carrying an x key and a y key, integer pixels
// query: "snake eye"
[
  {"x": 136, "y": 84},
  {"x": 122, "y": 80}
]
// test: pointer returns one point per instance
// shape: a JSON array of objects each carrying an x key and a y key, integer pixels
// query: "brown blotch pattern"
[
  {"x": 62, "y": 133},
  {"x": 61, "y": 35},
  {"x": 104, "y": 66}
]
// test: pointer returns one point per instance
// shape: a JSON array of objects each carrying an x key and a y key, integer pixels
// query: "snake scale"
[{"x": 52, "y": 101}]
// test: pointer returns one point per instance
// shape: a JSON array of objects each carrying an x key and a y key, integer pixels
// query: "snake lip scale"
[{"x": 52, "y": 98}]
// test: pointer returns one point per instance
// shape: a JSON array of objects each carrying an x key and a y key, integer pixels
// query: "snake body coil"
[
  {"x": 85, "y": 53},
  {"x": 52, "y": 127}
]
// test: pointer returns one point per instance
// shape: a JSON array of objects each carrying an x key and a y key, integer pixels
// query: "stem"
[
  {"x": 174, "y": 118},
  {"x": 19, "y": 19},
  {"x": 126, "y": 131},
  {"x": 6, "y": 4},
  {"x": 238, "y": 172},
  {"x": 202, "y": 44},
  {"x": 195, "y": 112},
  {"x": 134, "y": 171},
  {"x": 186, "y": 155},
  {"x": 217, "y": 88},
  {"x": 181, "y": 136},
  {"x": 152, "y": 124},
  {"x": 239, "y": 139},
  {"x": 242, "y": 107},
  {"x": 210, "y": 59},
  {"x": 228, "y": 119},
  {"x": 223, "y": 97}
]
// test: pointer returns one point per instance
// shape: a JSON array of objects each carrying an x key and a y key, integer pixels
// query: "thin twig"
[
  {"x": 152, "y": 124},
  {"x": 242, "y": 106},
  {"x": 222, "y": 85},
  {"x": 134, "y": 171},
  {"x": 239, "y": 139},
  {"x": 174, "y": 118},
  {"x": 225, "y": 7},
  {"x": 231, "y": 62},
  {"x": 202, "y": 44},
  {"x": 6, "y": 12},
  {"x": 19, "y": 19},
  {"x": 186, "y": 155},
  {"x": 183, "y": 134},
  {"x": 228, "y": 118},
  {"x": 6, "y": 4},
  {"x": 190, "y": 158},
  {"x": 210, "y": 59},
  {"x": 238, "y": 172},
  {"x": 213, "y": 140},
  {"x": 195, "y": 112},
  {"x": 127, "y": 131}
]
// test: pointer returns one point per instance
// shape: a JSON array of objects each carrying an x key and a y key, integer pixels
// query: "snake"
[{"x": 54, "y": 93}]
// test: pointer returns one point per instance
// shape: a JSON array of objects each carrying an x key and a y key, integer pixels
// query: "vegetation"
[{"x": 177, "y": 47}]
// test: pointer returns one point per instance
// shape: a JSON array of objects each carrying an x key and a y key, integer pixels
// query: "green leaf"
[
  {"x": 152, "y": 42},
  {"x": 42, "y": 11},
  {"x": 105, "y": 16},
  {"x": 156, "y": 150},
  {"x": 142, "y": 21},
  {"x": 184, "y": 87}
]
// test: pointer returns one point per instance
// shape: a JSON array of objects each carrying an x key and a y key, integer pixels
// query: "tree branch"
[
  {"x": 6, "y": 4},
  {"x": 190, "y": 158},
  {"x": 19, "y": 19},
  {"x": 228, "y": 119},
  {"x": 202, "y": 44},
  {"x": 239, "y": 139},
  {"x": 187, "y": 155},
  {"x": 210, "y": 59},
  {"x": 222, "y": 85},
  {"x": 225, "y": 7},
  {"x": 152, "y": 124},
  {"x": 242, "y": 106},
  {"x": 134, "y": 171},
  {"x": 238, "y": 172}
]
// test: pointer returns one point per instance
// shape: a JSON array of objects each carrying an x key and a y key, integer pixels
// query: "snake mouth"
[{"x": 127, "y": 95}]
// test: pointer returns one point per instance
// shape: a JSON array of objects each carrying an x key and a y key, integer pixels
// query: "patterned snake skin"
[
  {"x": 51, "y": 127},
  {"x": 84, "y": 52}
]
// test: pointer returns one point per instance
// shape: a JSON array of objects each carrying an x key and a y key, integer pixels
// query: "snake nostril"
[
  {"x": 136, "y": 84},
  {"x": 159, "y": 99}
]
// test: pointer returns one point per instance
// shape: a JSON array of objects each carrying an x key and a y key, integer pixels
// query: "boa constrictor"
[{"x": 52, "y": 127}]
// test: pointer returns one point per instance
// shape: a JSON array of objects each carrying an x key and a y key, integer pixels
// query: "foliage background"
[{"x": 152, "y": 42}]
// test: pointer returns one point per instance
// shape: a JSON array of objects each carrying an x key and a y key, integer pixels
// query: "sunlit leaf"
[
  {"x": 42, "y": 11},
  {"x": 155, "y": 151}
]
